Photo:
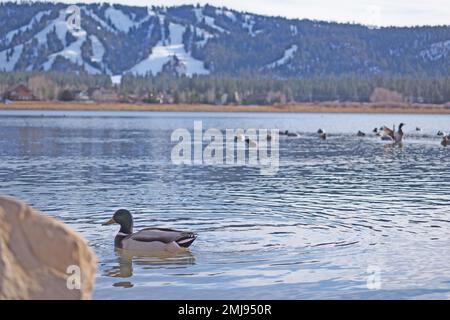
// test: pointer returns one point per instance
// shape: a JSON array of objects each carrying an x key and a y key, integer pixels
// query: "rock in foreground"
[{"x": 41, "y": 258}]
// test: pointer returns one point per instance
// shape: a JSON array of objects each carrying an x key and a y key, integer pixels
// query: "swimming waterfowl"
[
  {"x": 288, "y": 134},
  {"x": 418, "y": 129},
  {"x": 320, "y": 131},
  {"x": 148, "y": 239},
  {"x": 361, "y": 134},
  {"x": 323, "y": 136},
  {"x": 440, "y": 133},
  {"x": 445, "y": 141},
  {"x": 246, "y": 139},
  {"x": 375, "y": 130},
  {"x": 396, "y": 136}
]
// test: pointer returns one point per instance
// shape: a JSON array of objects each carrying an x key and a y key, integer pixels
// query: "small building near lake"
[{"x": 19, "y": 93}]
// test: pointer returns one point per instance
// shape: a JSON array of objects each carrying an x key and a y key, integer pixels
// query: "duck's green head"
[{"x": 124, "y": 218}]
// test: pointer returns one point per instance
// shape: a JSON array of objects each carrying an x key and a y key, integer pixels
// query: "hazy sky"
[{"x": 374, "y": 12}]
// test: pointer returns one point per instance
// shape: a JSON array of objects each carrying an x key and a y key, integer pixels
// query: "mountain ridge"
[{"x": 118, "y": 39}]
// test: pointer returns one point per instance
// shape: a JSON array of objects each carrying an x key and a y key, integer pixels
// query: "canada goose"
[
  {"x": 392, "y": 134},
  {"x": 445, "y": 141},
  {"x": 440, "y": 133},
  {"x": 320, "y": 131},
  {"x": 148, "y": 239}
]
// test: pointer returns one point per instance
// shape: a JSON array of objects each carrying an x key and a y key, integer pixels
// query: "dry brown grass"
[{"x": 306, "y": 107}]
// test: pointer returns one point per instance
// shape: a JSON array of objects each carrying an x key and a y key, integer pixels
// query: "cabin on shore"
[{"x": 19, "y": 93}]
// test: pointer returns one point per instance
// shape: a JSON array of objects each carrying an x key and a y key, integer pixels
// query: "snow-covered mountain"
[{"x": 118, "y": 39}]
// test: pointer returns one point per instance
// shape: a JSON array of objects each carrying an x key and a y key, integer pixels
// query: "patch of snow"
[
  {"x": 436, "y": 51},
  {"x": 61, "y": 26},
  {"x": 150, "y": 12},
  {"x": 163, "y": 53},
  {"x": 73, "y": 51},
  {"x": 198, "y": 14},
  {"x": 288, "y": 54},
  {"x": 97, "y": 49},
  {"x": 8, "y": 65},
  {"x": 205, "y": 35},
  {"x": 210, "y": 21},
  {"x": 249, "y": 24},
  {"x": 119, "y": 19},
  {"x": 117, "y": 79},
  {"x": 102, "y": 23},
  {"x": 37, "y": 18},
  {"x": 226, "y": 13},
  {"x": 294, "y": 30}
]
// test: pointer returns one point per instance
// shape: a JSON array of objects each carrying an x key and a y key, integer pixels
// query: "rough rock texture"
[{"x": 35, "y": 254}]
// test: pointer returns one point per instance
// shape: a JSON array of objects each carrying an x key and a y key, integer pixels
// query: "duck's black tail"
[{"x": 186, "y": 239}]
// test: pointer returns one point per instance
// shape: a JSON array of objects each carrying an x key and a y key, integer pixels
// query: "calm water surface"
[{"x": 335, "y": 212}]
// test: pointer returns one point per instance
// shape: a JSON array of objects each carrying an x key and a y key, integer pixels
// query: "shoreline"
[{"x": 288, "y": 108}]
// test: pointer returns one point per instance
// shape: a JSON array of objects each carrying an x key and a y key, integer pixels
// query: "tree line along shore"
[{"x": 349, "y": 92}]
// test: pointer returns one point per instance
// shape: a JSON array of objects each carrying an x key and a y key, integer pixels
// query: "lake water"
[{"x": 346, "y": 218}]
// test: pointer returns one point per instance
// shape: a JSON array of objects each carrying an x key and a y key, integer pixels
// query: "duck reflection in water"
[{"x": 126, "y": 259}]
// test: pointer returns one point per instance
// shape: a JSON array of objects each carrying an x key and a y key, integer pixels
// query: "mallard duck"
[
  {"x": 396, "y": 136},
  {"x": 148, "y": 239}
]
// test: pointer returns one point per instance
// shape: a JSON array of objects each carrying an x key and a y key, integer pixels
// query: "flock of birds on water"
[
  {"x": 168, "y": 240},
  {"x": 385, "y": 134}
]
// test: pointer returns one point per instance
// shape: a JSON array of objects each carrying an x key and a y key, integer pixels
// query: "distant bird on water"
[
  {"x": 377, "y": 131},
  {"x": 418, "y": 129},
  {"x": 361, "y": 134},
  {"x": 247, "y": 140},
  {"x": 445, "y": 141},
  {"x": 288, "y": 134},
  {"x": 148, "y": 239},
  {"x": 320, "y": 131},
  {"x": 440, "y": 133},
  {"x": 396, "y": 136}
]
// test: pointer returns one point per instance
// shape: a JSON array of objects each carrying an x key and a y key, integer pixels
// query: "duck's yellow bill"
[{"x": 110, "y": 221}]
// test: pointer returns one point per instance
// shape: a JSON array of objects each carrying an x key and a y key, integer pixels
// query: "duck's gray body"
[{"x": 154, "y": 239}]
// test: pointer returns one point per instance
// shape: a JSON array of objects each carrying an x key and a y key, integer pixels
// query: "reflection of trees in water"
[{"x": 126, "y": 260}]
